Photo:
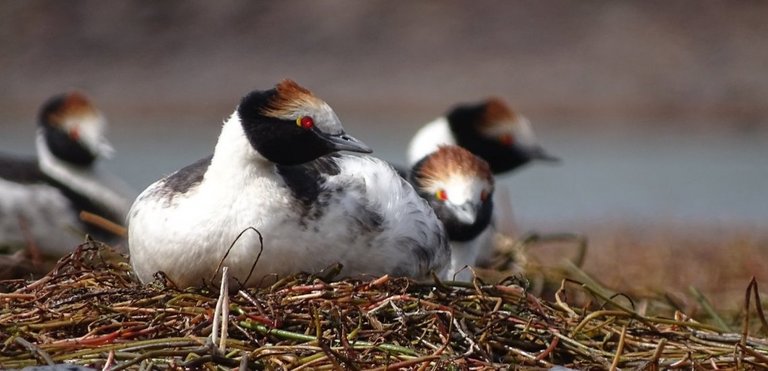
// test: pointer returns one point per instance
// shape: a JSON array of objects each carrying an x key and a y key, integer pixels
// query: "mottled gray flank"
[
  {"x": 314, "y": 195},
  {"x": 184, "y": 179},
  {"x": 20, "y": 170}
]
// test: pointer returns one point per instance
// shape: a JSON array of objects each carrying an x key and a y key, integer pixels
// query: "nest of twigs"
[{"x": 90, "y": 311}]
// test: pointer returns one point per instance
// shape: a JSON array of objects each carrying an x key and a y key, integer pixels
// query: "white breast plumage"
[
  {"x": 428, "y": 139},
  {"x": 358, "y": 212},
  {"x": 38, "y": 214}
]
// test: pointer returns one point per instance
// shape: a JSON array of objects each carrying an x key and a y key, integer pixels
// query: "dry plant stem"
[
  {"x": 602, "y": 313},
  {"x": 582, "y": 243},
  {"x": 562, "y": 303},
  {"x": 162, "y": 354},
  {"x": 704, "y": 302},
  {"x": 221, "y": 313},
  {"x": 426, "y": 360},
  {"x": 36, "y": 351},
  {"x": 110, "y": 361},
  {"x": 396, "y": 349},
  {"x": 657, "y": 353},
  {"x": 550, "y": 348},
  {"x": 585, "y": 279},
  {"x": 243, "y": 362},
  {"x": 745, "y": 328},
  {"x": 89, "y": 310},
  {"x": 752, "y": 288},
  {"x": 103, "y": 223},
  {"x": 229, "y": 249},
  {"x": 619, "y": 349},
  {"x": 760, "y": 358}
]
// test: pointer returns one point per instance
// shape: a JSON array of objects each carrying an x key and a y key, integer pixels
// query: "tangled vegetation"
[{"x": 90, "y": 311}]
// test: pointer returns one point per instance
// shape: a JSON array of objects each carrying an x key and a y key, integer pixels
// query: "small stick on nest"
[
  {"x": 91, "y": 311},
  {"x": 103, "y": 223}
]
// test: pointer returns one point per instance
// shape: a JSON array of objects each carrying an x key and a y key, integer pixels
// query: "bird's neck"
[
  {"x": 234, "y": 157},
  {"x": 87, "y": 181}
]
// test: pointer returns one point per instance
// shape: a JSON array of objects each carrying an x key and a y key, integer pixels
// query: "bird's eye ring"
[
  {"x": 74, "y": 134},
  {"x": 441, "y": 195},
  {"x": 305, "y": 122},
  {"x": 507, "y": 139}
]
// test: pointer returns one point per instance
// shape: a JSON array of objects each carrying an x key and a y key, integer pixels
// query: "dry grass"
[
  {"x": 90, "y": 311},
  {"x": 670, "y": 261}
]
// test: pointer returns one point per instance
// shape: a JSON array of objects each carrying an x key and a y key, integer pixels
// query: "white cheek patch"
[
  {"x": 519, "y": 129},
  {"x": 461, "y": 190},
  {"x": 498, "y": 130},
  {"x": 523, "y": 132},
  {"x": 90, "y": 130}
]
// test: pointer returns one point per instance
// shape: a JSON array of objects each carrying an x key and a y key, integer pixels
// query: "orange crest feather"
[
  {"x": 290, "y": 97},
  {"x": 449, "y": 161},
  {"x": 74, "y": 103},
  {"x": 497, "y": 111}
]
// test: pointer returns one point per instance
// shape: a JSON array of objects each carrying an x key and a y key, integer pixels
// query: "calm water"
[{"x": 693, "y": 178}]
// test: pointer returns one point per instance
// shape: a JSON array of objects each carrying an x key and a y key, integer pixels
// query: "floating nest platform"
[{"x": 90, "y": 311}]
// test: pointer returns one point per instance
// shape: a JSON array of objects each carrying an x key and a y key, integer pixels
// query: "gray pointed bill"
[
  {"x": 345, "y": 142},
  {"x": 466, "y": 213},
  {"x": 538, "y": 153}
]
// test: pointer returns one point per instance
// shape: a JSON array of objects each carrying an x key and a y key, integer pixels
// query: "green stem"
[
  {"x": 708, "y": 308},
  {"x": 288, "y": 335}
]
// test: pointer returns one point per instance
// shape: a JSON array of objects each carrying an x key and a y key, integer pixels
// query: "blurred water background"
[{"x": 659, "y": 111}]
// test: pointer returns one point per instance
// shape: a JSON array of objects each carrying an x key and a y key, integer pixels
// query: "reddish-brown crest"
[
  {"x": 449, "y": 161},
  {"x": 496, "y": 111},
  {"x": 74, "y": 104},
  {"x": 290, "y": 97}
]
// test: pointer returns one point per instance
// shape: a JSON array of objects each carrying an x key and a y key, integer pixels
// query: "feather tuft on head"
[
  {"x": 453, "y": 161},
  {"x": 289, "y": 99},
  {"x": 497, "y": 111},
  {"x": 73, "y": 104}
]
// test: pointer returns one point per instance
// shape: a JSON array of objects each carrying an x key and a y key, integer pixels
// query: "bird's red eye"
[
  {"x": 441, "y": 195},
  {"x": 484, "y": 195},
  {"x": 305, "y": 122},
  {"x": 507, "y": 139}
]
